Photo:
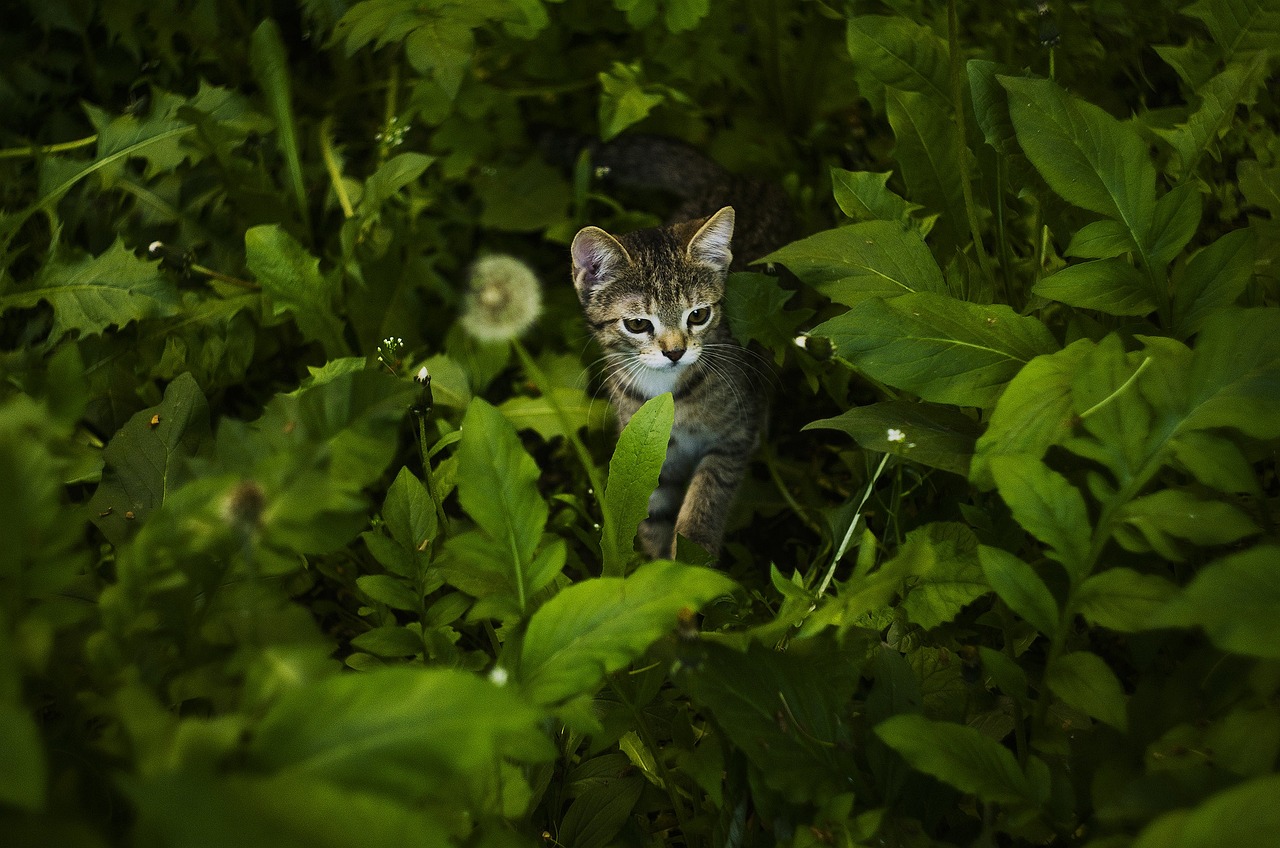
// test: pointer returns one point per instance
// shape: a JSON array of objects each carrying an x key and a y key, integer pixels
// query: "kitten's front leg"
[
  {"x": 705, "y": 510},
  {"x": 657, "y": 532}
]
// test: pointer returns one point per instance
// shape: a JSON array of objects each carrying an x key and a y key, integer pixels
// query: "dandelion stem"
[
  {"x": 331, "y": 165},
  {"x": 62, "y": 147}
]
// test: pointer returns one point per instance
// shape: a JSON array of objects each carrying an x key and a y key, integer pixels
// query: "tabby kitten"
[{"x": 654, "y": 300}]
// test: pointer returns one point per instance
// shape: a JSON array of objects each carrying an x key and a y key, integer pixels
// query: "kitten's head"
[{"x": 656, "y": 294}]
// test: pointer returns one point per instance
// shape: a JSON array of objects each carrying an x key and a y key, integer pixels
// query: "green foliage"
[{"x": 289, "y": 559}]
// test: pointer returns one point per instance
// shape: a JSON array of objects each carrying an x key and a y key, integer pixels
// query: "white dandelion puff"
[{"x": 504, "y": 299}]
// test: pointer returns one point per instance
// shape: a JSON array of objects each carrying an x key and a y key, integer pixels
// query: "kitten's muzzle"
[{"x": 674, "y": 354}]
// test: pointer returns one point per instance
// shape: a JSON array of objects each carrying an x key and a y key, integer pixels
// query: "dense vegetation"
[{"x": 291, "y": 554}]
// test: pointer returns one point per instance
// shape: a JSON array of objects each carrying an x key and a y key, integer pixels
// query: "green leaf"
[
  {"x": 1088, "y": 157},
  {"x": 991, "y": 105},
  {"x": 1112, "y": 286},
  {"x": 145, "y": 460},
  {"x": 949, "y": 577},
  {"x": 498, "y": 488},
  {"x": 596, "y": 816},
  {"x": 937, "y": 436},
  {"x": 755, "y": 305},
  {"x": 1087, "y": 683},
  {"x": 291, "y": 279},
  {"x": 23, "y": 771},
  {"x": 1176, "y": 220},
  {"x": 1034, "y": 412},
  {"x": 1021, "y": 588},
  {"x": 1123, "y": 599},
  {"x": 1242, "y": 29},
  {"x": 1049, "y": 508},
  {"x": 942, "y": 349},
  {"x": 598, "y": 626},
  {"x": 1212, "y": 280},
  {"x": 787, "y": 711},
  {"x": 1178, "y": 514},
  {"x": 625, "y": 99},
  {"x": 865, "y": 196},
  {"x": 402, "y": 732},
  {"x": 386, "y": 589},
  {"x": 186, "y": 808},
  {"x": 967, "y": 760},
  {"x": 1215, "y": 461},
  {"x": 1236, "y": 600},
  {"x": 522, "y": 198},
  {"x": 1102, "y": 239},
  {"x": 270, "y": 66},
  {"x": 892, "y": 52},
  {"x": 870, "y": 259},
  {"x": 538, "y": 413},
  {"x": 928, "y": 153},
  {"x": 409, "y": 513},
  {"x": 633, "y": 475},
  {"x": 1244, "y": 815},
  {"x": 393, "y": 175},
  {"x": 1235, "y": 374},
  {"x": 91, "y": 294},
  {"x": 392, "y": 641}
]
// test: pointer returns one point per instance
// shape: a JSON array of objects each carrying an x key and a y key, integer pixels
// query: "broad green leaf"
[
  {"x": 403, "y": 732},
  {"x": 950, "y": 577},
  {"x": 1087, "y": 683},
  {"x": 1242, "y": 29},
  {"x": 91, "y": 294},
  {"x": 252, "y": 811},
  {"x": 1101, "y": 239},
  {"x": 755, "y": 305},
  {"x": 1005, "y": 673},
  {"x": 1112, "y": 286},
  {"x": 291, "y": 278},
  {"x": 1236, "y": 600},
  {"x": 23, "y": 770},
  {"x": 1176, "y": 220},
  {"x": 870, "y": 259},
  {"x": 1244, "y": 815},
  {"x": 270, "y": 66},
  {"x": 1169, "y": 514},
  {"x": 497, "y": 487},
  {"x": 1212, "y": 280},
  {"x": 1034, "y": 412},
  {"x": 942, "y": 349},
  {"x": 393, "y": 175},
  {"x": 1215, "y": 461},
  {"x": 633, "y": 475},
  {"x": 386, "y": 589},
  {"x": 865, "y": 196},
  {"x": 967, "y": 760},
  {"x": 409, "y": 513},
  {"x": 928, "y": 151},
  {"x": 1235, "y": 374},
  {"x": 1088, "y": 157},
  {"x": 1048, "y": 507},
  {"x": 1260, "y": 186},
  {"x": 892, "y": 52},
  {"x": 598, "y": 626},
  {"x": 625, "y": 99},
  {"x": 391, "y": 641},
  {"x": 1123, "y": 599},
  {"x": 991, "y": 105},
  {"x": 538, "y": 413},
  {"x": 595, "y": 816},
  {"x": 937, "y": 436},
  {"x": 1021, "y": 588},
  {"x": 146, "y": 459},
  {"x": 787, "y": 711},
  {"x": 522, "y": 198}
]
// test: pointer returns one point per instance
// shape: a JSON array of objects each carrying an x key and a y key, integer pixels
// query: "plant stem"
[
  {"x": 331, "y": 165},
  {"x": 848, "y": 535},
  {"x": 957, "y": 105},
  {"x": 62, "y": 147}
]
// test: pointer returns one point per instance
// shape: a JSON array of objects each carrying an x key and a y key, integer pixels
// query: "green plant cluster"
[{"x": 290, "y": 558}]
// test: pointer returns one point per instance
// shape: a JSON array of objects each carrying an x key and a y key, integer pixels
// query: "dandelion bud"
[{"x": 504, "y": 299}]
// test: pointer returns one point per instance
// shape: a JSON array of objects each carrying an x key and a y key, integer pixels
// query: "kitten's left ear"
[{"x": 710, "y": 244}]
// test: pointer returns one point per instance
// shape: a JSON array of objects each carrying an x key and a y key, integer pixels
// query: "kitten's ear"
[
  {"x": 710, "y": 244},
  {"x": 597, "y": 257}
]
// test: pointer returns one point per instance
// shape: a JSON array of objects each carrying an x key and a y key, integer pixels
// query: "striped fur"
[{"x": 654, "y": 301}]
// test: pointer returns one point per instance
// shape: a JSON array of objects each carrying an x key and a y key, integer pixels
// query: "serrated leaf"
[
  {"x": 1236, "y": 600},
  {"x": 942, "y": 349},
  {"x": 1123, "y": 599},
  {"x": 937, "y": 436},
  {"x": 1021, "y": 588},
  {"x": 965, "y": 759},
  {"x": 291, "y": 278},
  {"x": 1213, "y": 279},
  {"x": 950, "y": 577},
  {"x": 598, "y": 626},
  {"x": 1242, "y": 29},
  {"x": 91, "y": 294},
  {"x": 873, "y": 258},
  {"x": 1087, "y": 683},
  {"x": 1112, "y": 286},
  {"x": 1048, "y": 507},
  {"x": 755, "y": 305},
  {"x": 145, "y": 460},
  {"x": 624, "y": 99},
  {"x": 633, "y": 475}
]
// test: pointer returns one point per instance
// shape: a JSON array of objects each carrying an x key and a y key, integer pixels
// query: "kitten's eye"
[
  {"x": 637, "y": 325},
  {"x": 699, "y": 316}
]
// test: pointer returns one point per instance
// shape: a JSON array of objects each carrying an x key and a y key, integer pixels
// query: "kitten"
[{"x": 654, "y": 300}]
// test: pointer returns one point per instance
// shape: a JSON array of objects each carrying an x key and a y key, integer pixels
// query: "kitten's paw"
[{"x": 657, "y": 538}]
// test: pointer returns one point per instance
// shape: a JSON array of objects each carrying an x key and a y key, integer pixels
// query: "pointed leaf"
[
  {"x": 1021, "y": 588},
  {"x": 937, "y": 436},
  {"x": 892, "y": 52},
  {"x": 290, "y": 277},
  {"x": 1112, "y": 286},
  {"x": 1236, "y": 600},
  {"x": 633, "y": 475},
  {"x": 1123, "y": 599},
  {"x": 1087, "y": 683},
  {"x": 927, "y": 149},
  {"x": 1048, "y": 507},
  {"x": 1213, "y": 279},
  {"x": 1235, "y": 374}
]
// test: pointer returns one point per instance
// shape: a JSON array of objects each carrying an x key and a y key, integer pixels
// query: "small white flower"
[
  {"x": 801, "y": 342},
  {"x": 423, "y": 375},
  {"x": 896, "y": 435},
  {"x": 498, "y": 676}
]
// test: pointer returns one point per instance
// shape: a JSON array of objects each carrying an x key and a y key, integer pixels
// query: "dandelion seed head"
[{"x": 504, "y": 299}]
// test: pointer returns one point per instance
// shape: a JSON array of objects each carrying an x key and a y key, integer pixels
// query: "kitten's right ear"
[{"x": 597, "y": 257}]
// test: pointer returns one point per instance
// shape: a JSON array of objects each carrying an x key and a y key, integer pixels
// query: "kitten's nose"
[{"x": 674, "y": 354}]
